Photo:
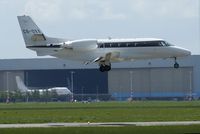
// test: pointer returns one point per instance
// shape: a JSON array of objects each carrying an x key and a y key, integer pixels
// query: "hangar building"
[{"x": 139, "y": 79}]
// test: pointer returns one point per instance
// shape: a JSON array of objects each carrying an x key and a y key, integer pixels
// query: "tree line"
[{"x": 35, "y": 96}]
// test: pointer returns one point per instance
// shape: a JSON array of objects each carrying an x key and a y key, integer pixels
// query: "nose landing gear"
[{"x": 176, "y": 65}]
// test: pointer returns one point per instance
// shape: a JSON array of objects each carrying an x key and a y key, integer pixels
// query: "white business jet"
[
  {"x": 24, "y": 89},
  {"x": 101, "y": 51}
]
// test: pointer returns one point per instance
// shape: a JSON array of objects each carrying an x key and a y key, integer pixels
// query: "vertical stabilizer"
[
  {"x": 36, "y": 40},
  {"x": 20, "y": 84},
  {"x": 32, "y": 34}
]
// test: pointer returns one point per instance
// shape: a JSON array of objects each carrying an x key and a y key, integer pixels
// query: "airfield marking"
[{"x": 105, "y": 124}]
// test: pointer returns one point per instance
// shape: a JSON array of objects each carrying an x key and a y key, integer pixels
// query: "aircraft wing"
[
  {"x": 107, "y": 58},
  {"x": 111, "y": 57}
]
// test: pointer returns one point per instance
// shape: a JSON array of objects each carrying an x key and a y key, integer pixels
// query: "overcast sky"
[{"x": 176, "y": 21}]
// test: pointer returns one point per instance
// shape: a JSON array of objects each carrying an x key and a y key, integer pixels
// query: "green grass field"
[
  {"x": 100, "y": 112},
  {"x": 106, "y": 130}
]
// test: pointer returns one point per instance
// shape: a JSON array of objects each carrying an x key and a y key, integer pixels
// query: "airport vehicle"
[
  {"x": 100, "y": 51},
  {"x": 24, "y": 89}
]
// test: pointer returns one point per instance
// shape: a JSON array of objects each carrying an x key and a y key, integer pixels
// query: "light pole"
[
  {"x": 82, "y": 88},
  {"x": 97, "y": 97},
  {"x": 7, "y": 86},
  {"x": 72, "y": 84},
  {"x": 131, "y": 84},
  {"x": 190, "y": 92},
  {"x": 27, "y": 94}
]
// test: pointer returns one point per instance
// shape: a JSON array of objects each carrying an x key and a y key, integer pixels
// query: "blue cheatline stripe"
[{"x": 42, "y": 46}]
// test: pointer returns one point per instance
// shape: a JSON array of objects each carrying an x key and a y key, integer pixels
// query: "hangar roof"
[{"x": 53, "y": 63}]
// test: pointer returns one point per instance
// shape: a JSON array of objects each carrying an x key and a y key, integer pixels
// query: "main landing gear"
[
  {"x": 176, "y": 65},
  {"x": 105, "y": 68}
]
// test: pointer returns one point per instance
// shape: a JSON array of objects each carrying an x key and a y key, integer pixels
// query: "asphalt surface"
[{"x": 105, "y": 124}]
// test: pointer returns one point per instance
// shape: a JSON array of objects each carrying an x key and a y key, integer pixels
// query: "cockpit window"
[{"x": 167, "y": 43}]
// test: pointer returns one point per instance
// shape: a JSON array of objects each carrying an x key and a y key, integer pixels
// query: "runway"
[{"x": 105, "y": 124}]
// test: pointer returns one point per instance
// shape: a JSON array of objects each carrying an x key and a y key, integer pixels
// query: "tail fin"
[
  {"x": 36, "y": 40},
  {"x": 32, "y": 34},
  {"x": 20, "y": 84}
]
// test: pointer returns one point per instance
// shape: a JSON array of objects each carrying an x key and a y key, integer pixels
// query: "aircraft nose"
[
  {"x": 186, "y": 52},
  {"x": 181, "y": 52}
]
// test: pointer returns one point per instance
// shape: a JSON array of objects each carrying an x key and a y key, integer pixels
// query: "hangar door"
[
  {"x": 150, "y": 82},
  {"x": 8, "y": 80}
]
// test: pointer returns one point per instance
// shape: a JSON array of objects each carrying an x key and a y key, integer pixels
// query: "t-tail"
[
  {"x": 36, "y": 40},
  {"x": 21, "y": 86}
]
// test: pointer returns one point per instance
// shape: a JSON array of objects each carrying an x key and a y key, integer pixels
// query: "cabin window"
[
  {"x": 134, "y": 44},
  {"x": 123, "y": 44},
  {"x": 131, "y": 44},
  {"x": 148, "y": 44},
  {"x": 100, "y": 45},
  {"x": 114, "y": 44},
  {"x": 107, "y": 45}
]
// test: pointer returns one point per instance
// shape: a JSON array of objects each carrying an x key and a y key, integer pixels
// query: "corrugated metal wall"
[
  {"x": 8, "y": 79},
  {"x": 146, "y": 82},
  {"x": 150, "y": 82}
]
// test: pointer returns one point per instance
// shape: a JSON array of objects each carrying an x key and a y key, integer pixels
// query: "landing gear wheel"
[
  {"x": 104, "y": 68},
  {"x": 101, "y": 68},
  {"x": 107, "y": 68},
  {"x": 176, "y": 65}
]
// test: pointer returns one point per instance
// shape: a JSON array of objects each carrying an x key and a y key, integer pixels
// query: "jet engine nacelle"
[{"x": 83, "y": 45}]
